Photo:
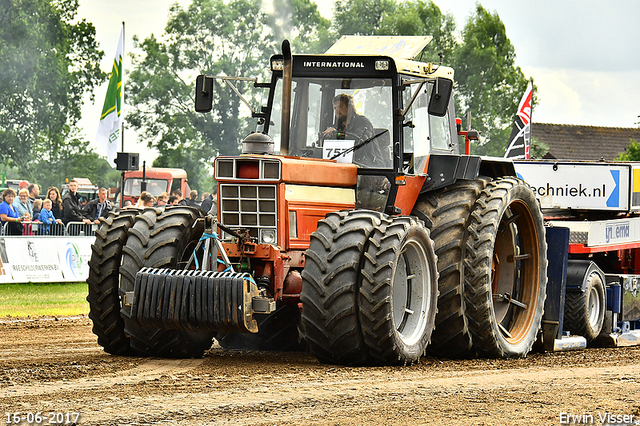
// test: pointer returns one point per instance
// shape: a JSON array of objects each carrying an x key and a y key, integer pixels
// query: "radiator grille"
[{"x": 251, "y": 207}]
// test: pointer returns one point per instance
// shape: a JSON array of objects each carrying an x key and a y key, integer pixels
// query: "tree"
[
  {"x": 360, "y": 17},
  {"x": 489, "y": 84},
  {"x": 422, "y": 18},
  {"x": 212, "y": 37},
  {"x": 632, "y": 153},
  {"x": 75, "y": 159},
  {"x": 47, "y": 64}
]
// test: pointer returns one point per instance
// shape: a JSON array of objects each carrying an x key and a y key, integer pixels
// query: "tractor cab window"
[
  {"x": 348, "y": 120},
  {"x": 422, "y": 132}
]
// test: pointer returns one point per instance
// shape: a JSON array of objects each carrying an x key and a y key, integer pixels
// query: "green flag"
[{"x": 109, "y": 128}]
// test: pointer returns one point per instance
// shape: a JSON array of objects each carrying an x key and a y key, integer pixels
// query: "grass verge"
[{"x": 43, "y": 299}]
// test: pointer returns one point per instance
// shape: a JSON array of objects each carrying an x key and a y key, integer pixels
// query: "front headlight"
[{"x": 268, "y": 236}]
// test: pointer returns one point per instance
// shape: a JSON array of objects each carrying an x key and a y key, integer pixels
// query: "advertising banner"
[
  {"x": 577, "y": 186},
  {"x": 44, "y": 259}
]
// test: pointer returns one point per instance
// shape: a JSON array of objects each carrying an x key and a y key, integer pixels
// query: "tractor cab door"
[{"x": 423, "y": 132}]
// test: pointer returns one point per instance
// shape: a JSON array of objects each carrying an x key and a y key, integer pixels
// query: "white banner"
[
  {"x": 590, "y": 186},
  {"x": 44, "y": 259}
]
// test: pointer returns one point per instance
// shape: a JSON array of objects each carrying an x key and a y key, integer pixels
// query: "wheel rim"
[
  {"x": 515, "y": 281},
  {"x": 594, "y": 307},
  {"x": 411, "y": 297}
]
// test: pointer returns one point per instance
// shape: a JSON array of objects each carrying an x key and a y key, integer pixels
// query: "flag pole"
[
  {"x": 122, "y": 109},
  {"x": 122, "y": 121}
]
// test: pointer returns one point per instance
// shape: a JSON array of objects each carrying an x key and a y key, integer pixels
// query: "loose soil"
[{"x": 56, "y": 366}]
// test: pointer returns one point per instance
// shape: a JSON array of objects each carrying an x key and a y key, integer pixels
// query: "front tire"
[
  {"x": 162, "y": 238},
  {"x": 505, "y": 265},
  {"x": 399, "y": 291},
  {"x": 330, "y": 287},
  {"x": 104, "y": 281}
]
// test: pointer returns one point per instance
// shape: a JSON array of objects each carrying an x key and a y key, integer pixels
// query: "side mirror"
[
  {"x": 440, "y": 97},
  {"x": 204, "y": 93}
]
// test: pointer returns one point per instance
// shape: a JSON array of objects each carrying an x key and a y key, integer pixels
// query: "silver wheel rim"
[
  {"x": 594, "y": 302},
  {"x": 411, "y": 296}
]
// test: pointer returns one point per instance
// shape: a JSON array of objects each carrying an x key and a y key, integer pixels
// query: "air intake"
[{"x": 257, "y": 143}]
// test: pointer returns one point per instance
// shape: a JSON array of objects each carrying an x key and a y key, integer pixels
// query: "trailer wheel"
[
  {"x": 104, "y": 281},
  {"x": 399, "y": 291},
  {"x": 330, "y": 287},
  {"x": 445, "y": 212},
  {"x": 505, "y": 264},
  {"x": 277, "y": 331},
  {"x": 584, "y": 310},
  {"x": 161, "y": 238}
]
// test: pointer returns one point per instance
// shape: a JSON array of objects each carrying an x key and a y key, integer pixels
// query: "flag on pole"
[
  {"x": 109, "y": 127},
  {"x": 520, "y": 139}
]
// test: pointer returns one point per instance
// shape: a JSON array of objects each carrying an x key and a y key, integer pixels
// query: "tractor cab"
[
  {"x": 403, "y": 104},
  {"x": 365, "y": 102}
]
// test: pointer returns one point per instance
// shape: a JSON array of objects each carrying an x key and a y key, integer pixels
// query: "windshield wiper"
[{"x": 359, "y": 145}]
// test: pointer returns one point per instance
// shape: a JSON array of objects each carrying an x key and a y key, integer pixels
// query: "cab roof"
[{"x": 403, "y": 50}]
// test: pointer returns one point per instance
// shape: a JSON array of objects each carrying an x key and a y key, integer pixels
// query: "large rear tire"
[
  {"x": 330, "y": 287},
  {"x": 446, "y": 212},
  {"x": 399, "y": 291},
  {"x": 104, "y": 281},
  {"x": 584, "y": 310},
  {"x": 505, "y": 265},
  {"x": 162, "y": 238}
]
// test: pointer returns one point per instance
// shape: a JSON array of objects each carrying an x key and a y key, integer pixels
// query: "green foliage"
[
  {"x": 538, "y": 148},
  {"x": 489, "y": 84},
  {"x": 48, "y": 62},
  {"x": 360, "y": 17},
  {"x": 632, "y": 153},
  {"x": 212, "y": 37}
]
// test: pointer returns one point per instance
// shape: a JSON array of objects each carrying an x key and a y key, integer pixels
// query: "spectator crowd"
[{"x": 27, "y": 207}]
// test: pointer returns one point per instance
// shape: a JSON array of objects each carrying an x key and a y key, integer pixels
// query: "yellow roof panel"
[{"x": 403, "y": 47}]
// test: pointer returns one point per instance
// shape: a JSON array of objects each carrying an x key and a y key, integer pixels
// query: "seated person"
[
  {"x": 348, "y": 121},
  {"x": 351, "y": 125}
]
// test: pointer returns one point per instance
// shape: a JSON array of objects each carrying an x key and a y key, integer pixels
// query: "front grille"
[{"x": 251, "y": 207}]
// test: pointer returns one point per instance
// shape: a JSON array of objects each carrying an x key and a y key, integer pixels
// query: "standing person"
[
  {"x": 8, "y": 214},
  {"x": 23, "y": 206},
  {"x": 178, "y": 194},
  {"x": 193, "y": 199},
  {"x": 147, "y": 200},
  {"x": 46, "y": 217},
  {"x": 162, "y": 199},
  {"x": 53, "y": 194},
  {"x": 71, "y": 205},
  {"x": 99, "y": 207},
  {"x": 209, "y": 204},
  {"x": 36, "y": 207},
  {"x": 34, "y": 192}
]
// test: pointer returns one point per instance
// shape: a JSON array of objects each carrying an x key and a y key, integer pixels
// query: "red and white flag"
[{"x": 520, "y": 139}]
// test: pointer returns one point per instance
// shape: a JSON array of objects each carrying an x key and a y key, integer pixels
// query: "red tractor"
[{"x": 352, "y": 226}]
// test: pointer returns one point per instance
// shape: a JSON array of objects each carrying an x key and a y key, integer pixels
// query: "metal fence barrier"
[{"x": 56, "y": 230}]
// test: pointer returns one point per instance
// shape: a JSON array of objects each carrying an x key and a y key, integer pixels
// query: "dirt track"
[{"x": 57, "y": 366}]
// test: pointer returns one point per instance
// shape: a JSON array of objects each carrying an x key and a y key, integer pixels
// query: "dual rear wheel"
[{"x": 370, "y": 289}]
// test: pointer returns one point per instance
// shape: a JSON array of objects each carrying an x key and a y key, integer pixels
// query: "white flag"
[{"x": 109, "y": 128}]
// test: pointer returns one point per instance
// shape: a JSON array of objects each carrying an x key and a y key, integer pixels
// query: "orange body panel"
[
  {"x": 408, "y": 193},
  {"x": 318, "y": 172}
]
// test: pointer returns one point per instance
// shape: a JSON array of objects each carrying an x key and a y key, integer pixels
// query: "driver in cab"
[{"x": 348, "y": 123}]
